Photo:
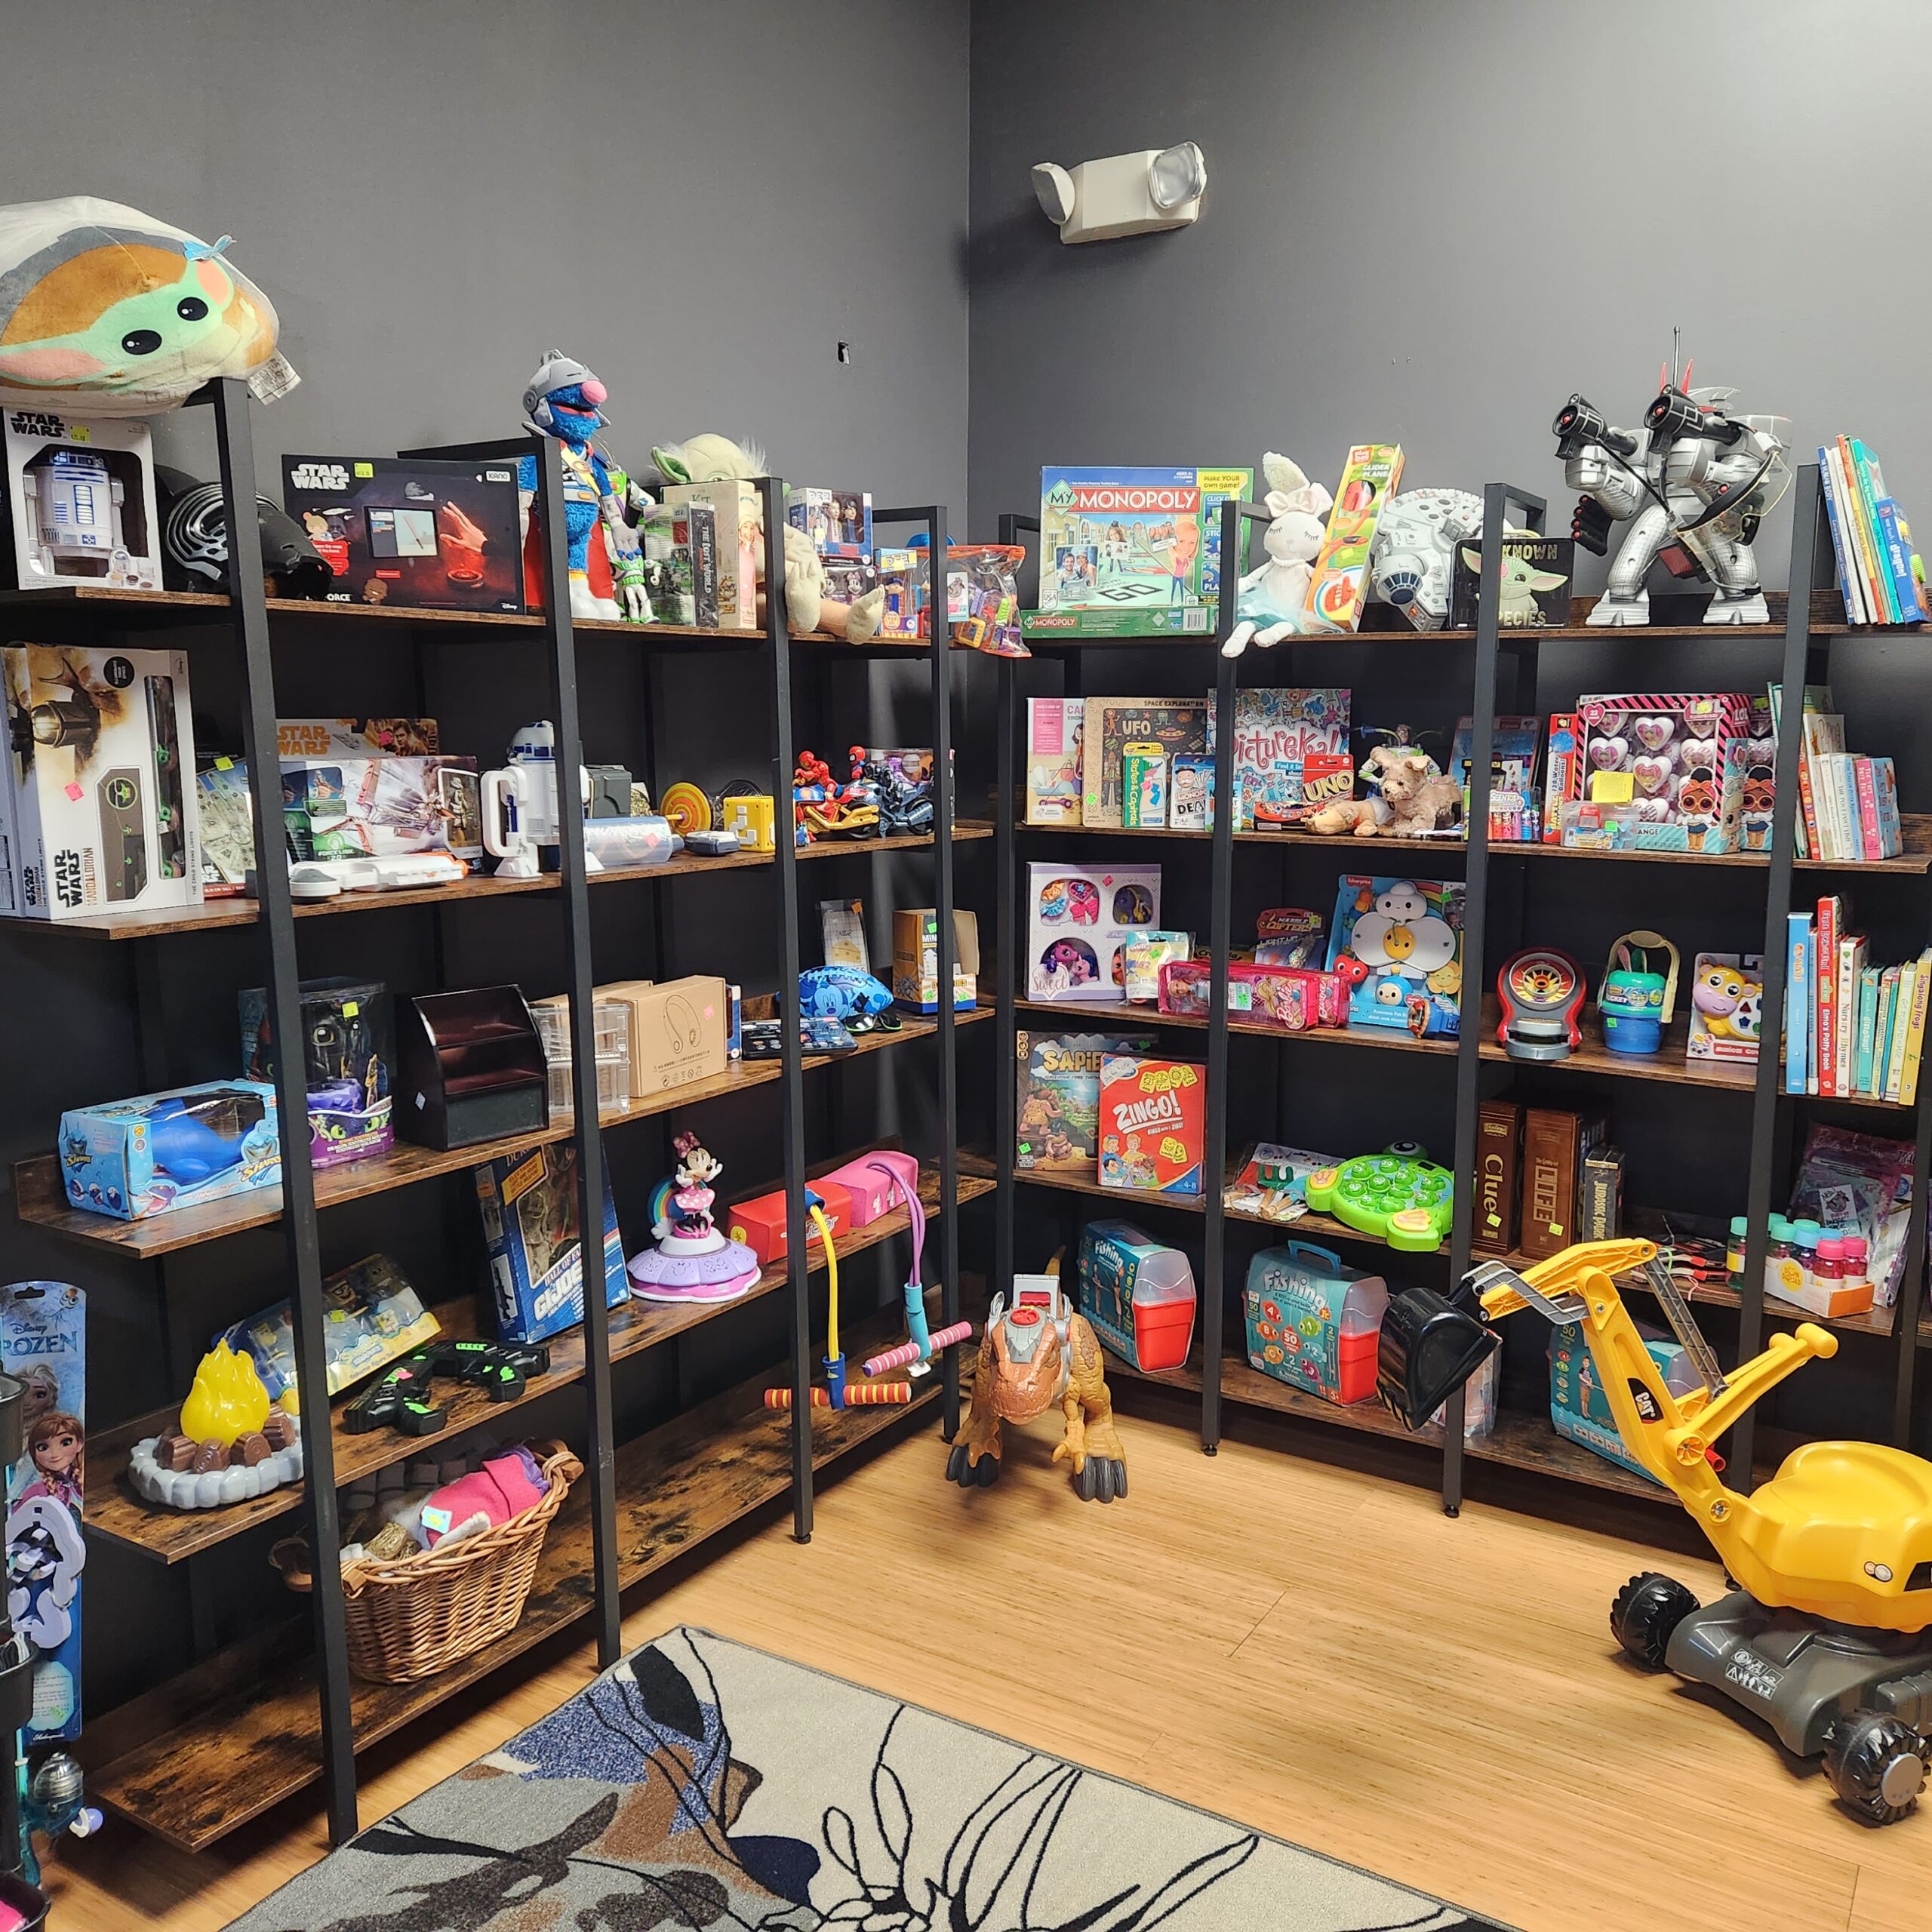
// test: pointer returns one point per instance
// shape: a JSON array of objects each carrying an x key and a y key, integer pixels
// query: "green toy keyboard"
[{"x": 1406, "y": 1202}]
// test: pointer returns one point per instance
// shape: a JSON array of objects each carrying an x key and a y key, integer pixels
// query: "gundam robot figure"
[{"x": 1697, "y": 479}]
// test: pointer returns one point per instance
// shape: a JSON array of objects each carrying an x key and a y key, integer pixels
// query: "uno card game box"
[
  {"x": 1152, "y": 1125},
  {"x": 1129, "y": 551},
  {"x": 97, "y": 805},
  {"x": 415, "y": 532}
]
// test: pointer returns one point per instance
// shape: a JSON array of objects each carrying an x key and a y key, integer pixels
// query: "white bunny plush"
[{"x": 1270, "y": 600}]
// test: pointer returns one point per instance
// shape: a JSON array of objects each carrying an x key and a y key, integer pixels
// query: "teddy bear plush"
[
  {"x": 1270, "y": 600},
  {"x": 1358, "y": 816},
  {"x": 713, "y": 458},
  {"x": 1419, "y": 799}
]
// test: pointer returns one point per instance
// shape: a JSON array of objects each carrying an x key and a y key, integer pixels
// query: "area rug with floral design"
[{"x": 700, "y": 1783}]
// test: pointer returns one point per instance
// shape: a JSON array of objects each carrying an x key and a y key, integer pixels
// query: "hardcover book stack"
[
  {"x": 1852, "y": 1028},
  {"x": 1881, "y": 576}
]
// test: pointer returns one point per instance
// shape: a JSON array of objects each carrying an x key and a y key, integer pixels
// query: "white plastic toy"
[
  {"x": 1413, "y": 563},
  {"x": 520, "y": 808},
  {"x": 1271, "y": 597}
]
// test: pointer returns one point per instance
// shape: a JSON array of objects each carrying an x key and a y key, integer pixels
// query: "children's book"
[
  {"x": 1054, "y": 730},
  {"x": 1862, "y": 529},
  {"x": 1837, "y": 514},
  {"x": 1179, "y": 725},
  {"x": 1868, "y": 977},
  {"x": 1885, "y": 807},
  {"x": 1797, "y": 1000},
  {"x": 1914, "y": 1040},
  {"x": 1831, "y": 917},
  {"x": 1275, "y": 732}
]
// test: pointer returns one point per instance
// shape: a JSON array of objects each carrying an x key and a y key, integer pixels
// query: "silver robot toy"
[{"x": 1698, "y": 480}]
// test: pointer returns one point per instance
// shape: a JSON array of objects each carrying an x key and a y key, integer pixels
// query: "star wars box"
[
  {"x": 98, "y": 806},
  {"x": 421, "y": 534},
  {"x": 531, "y": 1231},
  {"x": 80, "y": 502}
]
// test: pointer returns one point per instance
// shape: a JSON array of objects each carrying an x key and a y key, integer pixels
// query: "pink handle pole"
[{"x": 908, "y": 1353}]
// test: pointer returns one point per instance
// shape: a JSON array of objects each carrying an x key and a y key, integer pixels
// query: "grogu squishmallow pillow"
[{"x": 124, "y": 315}]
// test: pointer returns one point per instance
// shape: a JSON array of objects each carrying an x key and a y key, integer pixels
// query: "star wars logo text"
[{"x": 318, "y": 476}]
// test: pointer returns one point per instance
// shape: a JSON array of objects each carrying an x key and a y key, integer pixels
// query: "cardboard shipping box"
[
  {"x": 915, "y": 959},
  {"x": 678, "y": 1030}
]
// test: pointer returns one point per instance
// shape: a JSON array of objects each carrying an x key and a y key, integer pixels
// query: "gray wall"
[
  {"x": 1427, "y": 223},
  {"x": 701, "y": 201}
]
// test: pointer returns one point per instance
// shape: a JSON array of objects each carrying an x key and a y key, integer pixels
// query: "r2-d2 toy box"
[{"x": 80, "y": 502}]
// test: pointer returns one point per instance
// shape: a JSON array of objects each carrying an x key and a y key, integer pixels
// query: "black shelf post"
[
  {"x": 792, "y": 1089},
  {"x": 1496, "y": 500},
  {"x": 1006, "y": 895},
  {"x": 600, "y": 1420},
  {"x": 261, "y": 741}
]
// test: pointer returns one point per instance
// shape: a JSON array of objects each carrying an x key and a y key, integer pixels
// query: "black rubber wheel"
[
  {"x": 1648, "y": 1609},
  {"x": 1876, "y": 1763}
]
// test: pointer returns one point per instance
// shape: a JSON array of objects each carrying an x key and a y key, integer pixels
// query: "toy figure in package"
[
  {"x": 43, "y": 1336},
  {"x": 1397, "y": 942}
]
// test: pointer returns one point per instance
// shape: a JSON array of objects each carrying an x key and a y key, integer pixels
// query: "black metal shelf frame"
[
  {"x": 276, "y": 930},
  {"x": 1805, "y": 660}
]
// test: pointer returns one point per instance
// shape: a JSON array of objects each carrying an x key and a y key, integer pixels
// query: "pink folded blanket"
[{"x": 505, "y": 1486}]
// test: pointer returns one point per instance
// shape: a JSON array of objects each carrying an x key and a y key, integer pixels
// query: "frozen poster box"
[
  {"x": 131, "y": 1159},
  {"x": 530, "y": 1230},
  {"x": 1399, "y": 944},
  {"x": 1133, "y": 540},
  {"x": 1078, "y": 919}
]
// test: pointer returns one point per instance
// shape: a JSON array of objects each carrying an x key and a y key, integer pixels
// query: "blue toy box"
[
  {"x": 1577, "y": 1406},
  {"x": 530, "y": 1227},
  {"x": 1313, "y": 1323},
  {"x": 1399, "y": 944},
  {"x": 131, "y": 1159},
  {"x": 1138, "y": 1294}
]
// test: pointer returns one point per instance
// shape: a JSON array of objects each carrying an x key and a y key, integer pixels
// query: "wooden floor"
[{"x": 1306, "y": 1645}]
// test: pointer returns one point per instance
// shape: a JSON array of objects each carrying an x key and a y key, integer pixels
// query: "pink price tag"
[{"x": 75, "y": 792}]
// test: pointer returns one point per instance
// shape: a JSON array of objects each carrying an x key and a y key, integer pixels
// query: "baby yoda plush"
[
  {"x": 1271, "y": 597},
  {"x": 715, "y": 459}
]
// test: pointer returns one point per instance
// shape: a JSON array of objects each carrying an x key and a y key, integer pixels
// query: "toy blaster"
[{"x": 401, "y": 1398}]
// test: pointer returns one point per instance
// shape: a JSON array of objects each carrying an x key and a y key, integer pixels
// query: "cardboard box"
[
  {"x": 870, "y": 1194},
  {"x": 349, "y": 1051},
  {"x": 426, "y": 534},
  {"x": 178, "y": 1149},
  {"x": 1554, "y": 1145},
  {"x": 915, "y": 959},
  {"x": 678, "y": 1030},
  {"x": 739, "y": 542},
  {"x": 1153, "y": 1125},
  {"x": 80, "y": 500},
  {"x": 761, "y": 1222},
  {"x": 1498, "y": 1169},
  {"x": 1079, "y": 920},
  {"x": 1178, "y": 725},
  {"x": 839, "y": 522},
  {"x": 1600, "y": 1209},
  {"x": 98, "y": 803},
  {"x": 530, "y": 1229},
  {"x": 1276, "y": 732}
]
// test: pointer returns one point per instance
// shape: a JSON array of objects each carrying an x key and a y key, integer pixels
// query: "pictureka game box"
[
  {"x": 1275, "y": 733},
  {"x": 1125, "y": 551},
  {"x": 1153, "y": 1125}
]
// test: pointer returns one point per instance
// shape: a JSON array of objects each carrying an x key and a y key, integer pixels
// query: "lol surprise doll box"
[
  {"x": 1078, "y": 919},
  {"x": 1153, "y": 1125},
  {"x": 1685, "y": 754}
]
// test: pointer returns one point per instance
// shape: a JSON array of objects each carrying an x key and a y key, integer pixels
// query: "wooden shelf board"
[
  {"x": 39, "y": 1198},
  {"x": 1077, "y": 1016},
  {"x": 1130, "y": 1200},
  {"x": 1669, "y": 1064},
  {"x": 212, "y": 914},
  {"x": 171, "y": 1536},
  {"x": 1286, "y": 841},
  {"x": 238, "y": 1732}
]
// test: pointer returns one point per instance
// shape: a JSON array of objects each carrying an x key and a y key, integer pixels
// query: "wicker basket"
[{"x": 419, "y": 1614}]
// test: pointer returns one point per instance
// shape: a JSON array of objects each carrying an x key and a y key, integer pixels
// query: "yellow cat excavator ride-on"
[{"x": 1826, "y": 1634}]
